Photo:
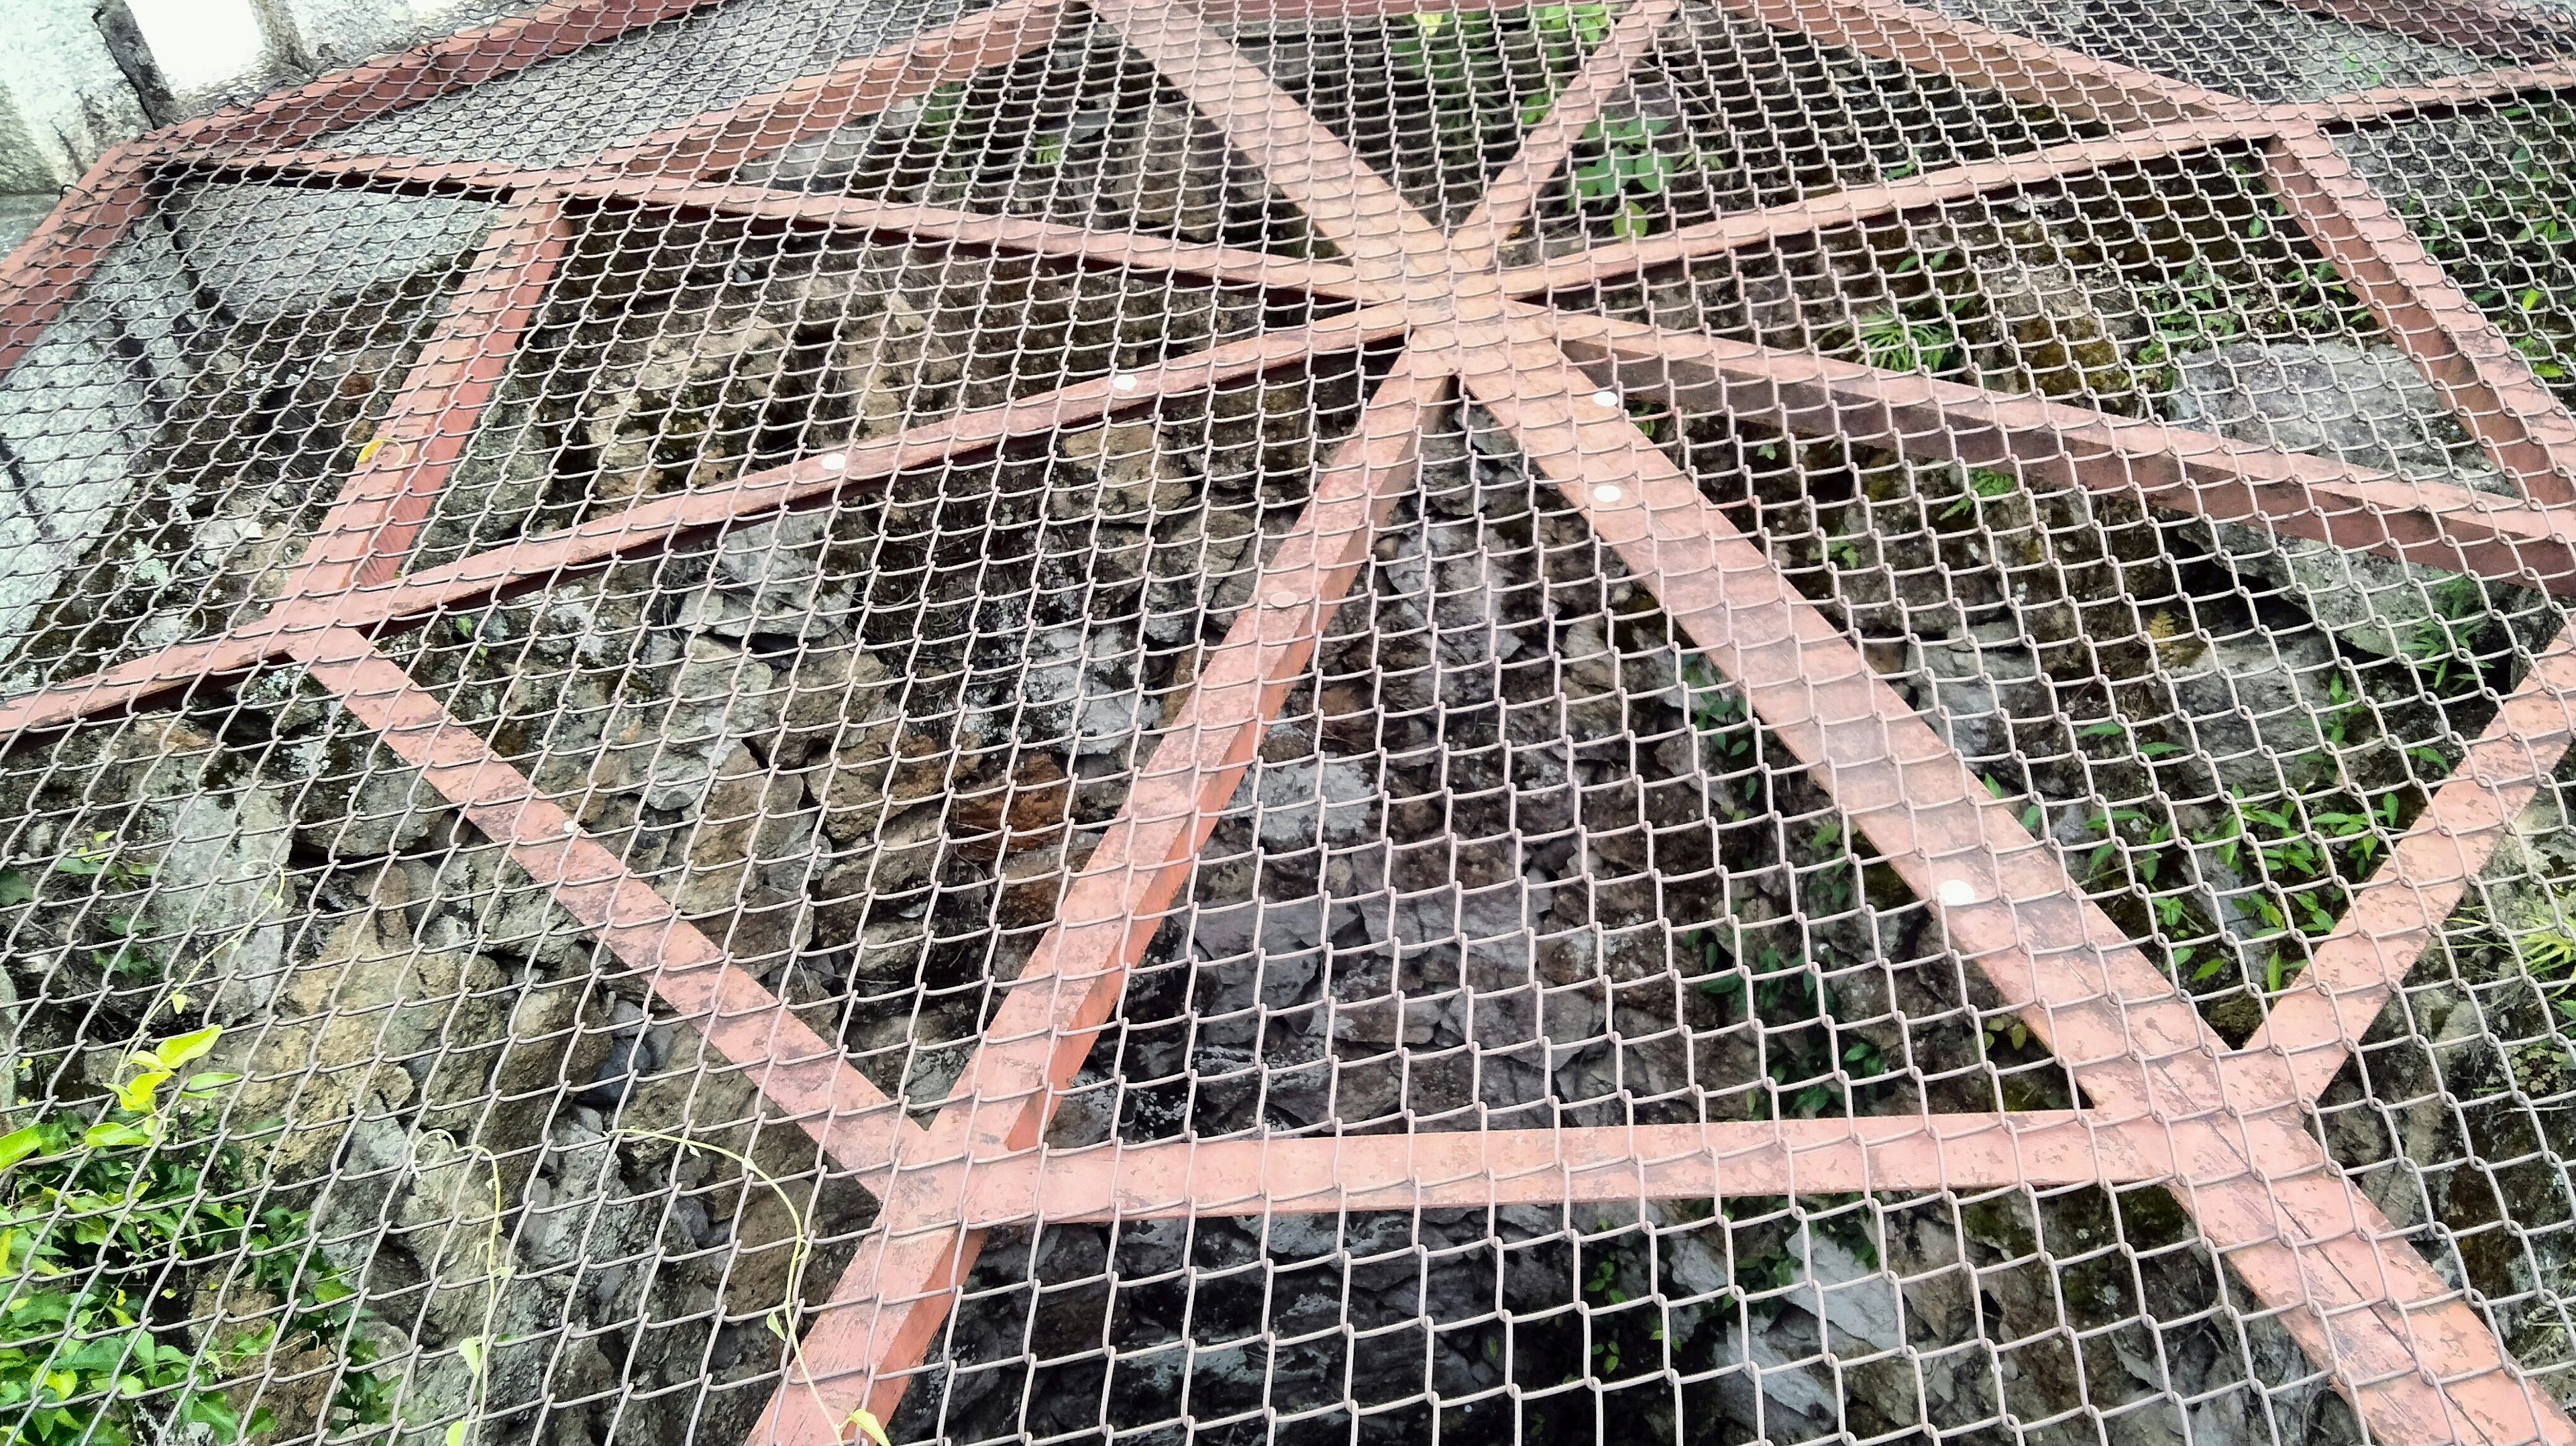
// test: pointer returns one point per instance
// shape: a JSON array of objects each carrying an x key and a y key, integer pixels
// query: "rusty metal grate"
[{"x": 1681, "y": 721}]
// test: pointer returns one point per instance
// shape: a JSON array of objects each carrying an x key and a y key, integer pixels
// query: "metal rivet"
[
  {"x": 833, "y": 461},
  {"x": 1606, "y": 493},
  {"x": 1283, "y": 599},
  {"x": 1955, "y": 892},
  {"x": 1606, "y": 398},
  {"x": 1123, "y": 381},
  {"x": 571, "y": 826}
]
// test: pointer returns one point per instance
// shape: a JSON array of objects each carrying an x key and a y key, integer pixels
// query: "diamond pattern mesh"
[{"x": 764, "y": 721}]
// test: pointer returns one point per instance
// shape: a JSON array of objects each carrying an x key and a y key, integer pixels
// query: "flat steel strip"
[
  {"x": 2430, "y": 523},
  {"x": 891, "y": 1304},
  {"x": 2356, "y": 968},
  {"x": 2418, "y": 1363},
  {"x": 1567, "y": 1165},
  {"x": 2528, "y": 435},
  {"x": 368, "y": 533},
  {"x": 807, "y": 1076}
]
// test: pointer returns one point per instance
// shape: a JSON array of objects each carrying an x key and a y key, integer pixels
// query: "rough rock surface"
[{"x": 2368, "y": 408}]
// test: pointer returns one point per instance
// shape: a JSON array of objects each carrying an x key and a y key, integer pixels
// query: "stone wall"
[{"x": 78, "y": 76}]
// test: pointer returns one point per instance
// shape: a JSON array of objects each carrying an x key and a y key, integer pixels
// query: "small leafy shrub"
[{"x": 107, "y": 1229}]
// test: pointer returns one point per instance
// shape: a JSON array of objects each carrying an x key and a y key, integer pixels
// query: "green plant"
[
  {"x": 2445, "y": 643},
  {"x": 102, "y": 1221},
  {"x": 1982, "y": 486},
  {"x": 1629, "y": 163},
  {"x": 1892, "y": 341}
]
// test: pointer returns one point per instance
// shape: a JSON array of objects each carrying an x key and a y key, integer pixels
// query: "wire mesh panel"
[{"x": 1673, "y": 721}]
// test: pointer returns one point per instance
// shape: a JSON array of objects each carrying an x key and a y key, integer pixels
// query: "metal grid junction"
[{"x": 1778, "y": 719}]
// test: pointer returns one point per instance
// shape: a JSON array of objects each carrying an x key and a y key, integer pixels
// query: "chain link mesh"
[{"x": 1674, "y": 722}]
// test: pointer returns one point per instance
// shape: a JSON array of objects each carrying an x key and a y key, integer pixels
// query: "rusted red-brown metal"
[
  {"x": 2417, "y": 1362},
  {"x": 1480, "y": 1169},
  {"x": 2423, "y": 522},
  {"x": 369, "y": 531},
  {"x": 2226, "y": 1130},
  {"x": 805, "y": 1075},
  {"x": 2492, "y": 389},
  {"x": 893, "y": 1299},
  {"x": 48, "y": 269},
  {"x": 1544, "y": 150},
  {"x": 1022, "y": 235},
  {"x": 1857, "y": 204},
  {"x": 655, "y": 523},
  {"x": 2355, "y": 969}
]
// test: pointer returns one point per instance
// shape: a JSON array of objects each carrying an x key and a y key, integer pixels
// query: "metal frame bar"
[{"x": 2226, "y": 1130}]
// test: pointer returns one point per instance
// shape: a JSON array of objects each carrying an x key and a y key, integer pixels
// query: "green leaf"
[
  {"x": 110, "y": 1135},
  {"x": 456, "y": 1433},
  {"x": 14, "y": 888},
  {"x": 869, "y": 1429},
  {"x": 137, "y": 1094},
  {"x": 470, "y": 1350},
  {"x": 180, "y": 1049},
  {"x": 17, "y": 1145}
]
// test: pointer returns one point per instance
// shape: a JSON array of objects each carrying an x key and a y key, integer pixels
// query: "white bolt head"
[
  {"x": 1606, "y": 398},
  {"x": 834, "y": 461},
  {"x": 1283, "y": 599},
  {"x": 571, "y": 826},
  {"x": 1122, "y": 382},
  {"x": 1607, "y": 493},
  {"x": 1956, "y": 892}
]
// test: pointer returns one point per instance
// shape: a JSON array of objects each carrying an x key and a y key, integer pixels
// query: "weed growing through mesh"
[
  {"x": 2507, "y": 235},
  {"x": 105, "y": 1223},
  {"x": 1463, "y": 64}
]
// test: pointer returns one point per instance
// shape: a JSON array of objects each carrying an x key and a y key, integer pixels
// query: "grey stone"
[
  {"x": 222, "y": 883},
  {"x": 2260, "y": 52},
  {"x": 1119, "y": 471},
  {"x": 2368, "y": 408},
  {"x": 325, "y": 34},
  {"x": 63, "y": 101},
  {"x": 266, "y": 251},
  {"x": 2537, "y": 852},
  {"x": 764, "y": 579},
  {"x": 1976, "y": 685},
  {"x": 358, "y": 800},
  {"x": 1080, "y": 683},
  {"x": 1307, "y": 800},
  {"x": 2438, "y": 165},
  {"x": 21, "y": 212},
  {"x": 1172, "y": 178},
  {"x": 76, "y": 411}
]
